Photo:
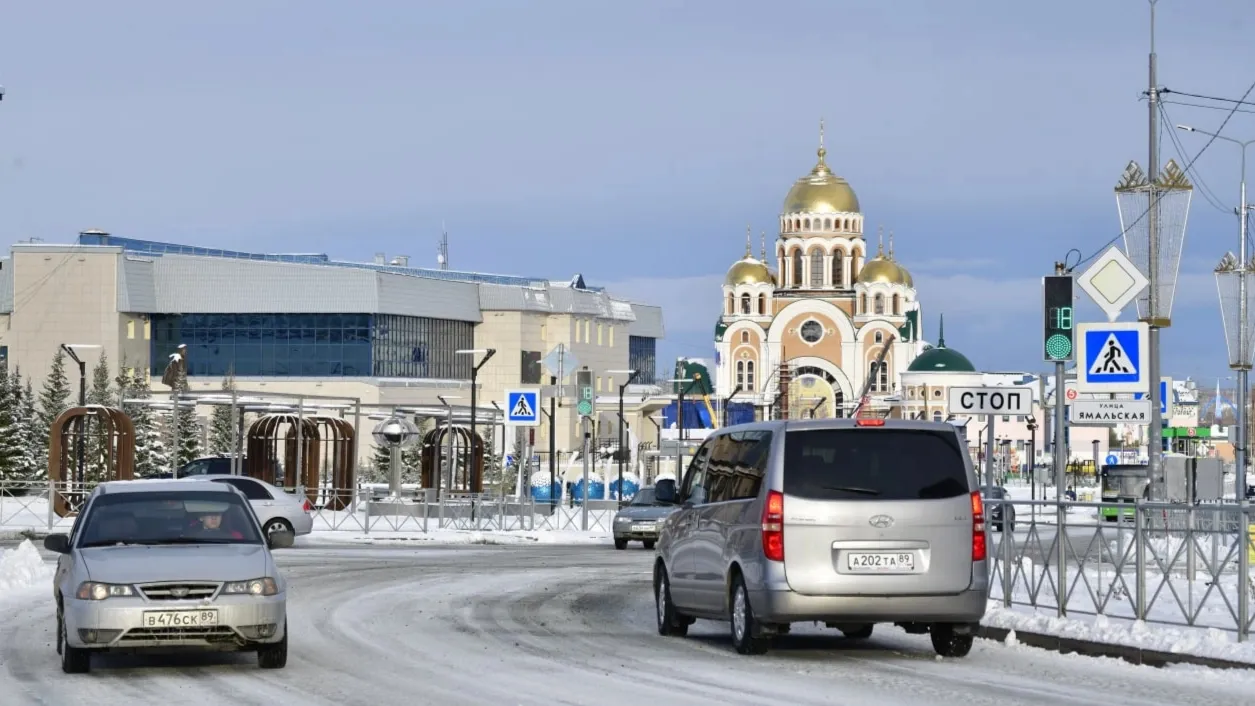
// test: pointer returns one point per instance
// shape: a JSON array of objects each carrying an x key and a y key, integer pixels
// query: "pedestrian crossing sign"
[
  {"x": 522, "y": 407},
  {"x": 1112, "y": 357}
]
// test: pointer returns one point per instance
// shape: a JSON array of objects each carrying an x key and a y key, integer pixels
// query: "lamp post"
[
  {"x": 1032, "y": 462},
  {"x": 82, "y": 402},
  {"x": 684, "y": 383},
  {"x": 474, "y": 479},
  {"x": 622, "y": 442}
]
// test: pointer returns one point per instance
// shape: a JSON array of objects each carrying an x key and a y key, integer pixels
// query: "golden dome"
[
  {"x": 884, "y": 268},
  {"x": 821, "y": 191},
  {"x": 749, "y": 271}
]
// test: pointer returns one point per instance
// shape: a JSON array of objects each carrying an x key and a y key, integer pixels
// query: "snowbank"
[
  {"x": 446, "y": 536},
  {"x": 23, "y": 569},
  {"x": 1199, "y": 642}
]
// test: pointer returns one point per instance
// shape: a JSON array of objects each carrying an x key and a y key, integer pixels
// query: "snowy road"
[{"x": 556, "y": 625}]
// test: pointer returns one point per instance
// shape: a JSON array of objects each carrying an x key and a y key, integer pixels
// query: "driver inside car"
[{"x": 209, "y": 524}]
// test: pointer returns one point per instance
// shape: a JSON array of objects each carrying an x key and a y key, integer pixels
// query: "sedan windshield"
[
  {"x": 644, "y": 496},
  {"x": 173, "y": 517}
]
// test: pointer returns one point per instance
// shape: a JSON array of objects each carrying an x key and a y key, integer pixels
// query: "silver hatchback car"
[
  {"x": 160, "y": 563},
  {"x": 841, "y": 521}
]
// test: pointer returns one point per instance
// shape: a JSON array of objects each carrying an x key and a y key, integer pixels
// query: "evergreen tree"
[
  {"x": 151, "y": 454},
  {"x": 189, "y": 428},
  {"x": 101, "y": 393},
  {"x": 53, "y": 399},
  {"x": 221, "y": 429},
  {"x": 34, "y": 460},
  {"x": 10, "y": 433}
]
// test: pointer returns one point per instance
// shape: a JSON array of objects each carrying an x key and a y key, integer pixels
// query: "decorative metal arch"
[
  {"x": 262, "y": 456},
  {"x": 108, "y": 429},
  {"x": 435, "y": 448},
  {"x": 337, "y": 438}
]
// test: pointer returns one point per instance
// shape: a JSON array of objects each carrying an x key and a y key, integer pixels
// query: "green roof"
[{"x": 939, "y": 359}]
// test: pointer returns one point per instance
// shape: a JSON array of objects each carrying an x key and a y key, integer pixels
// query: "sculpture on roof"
[{"x": 176, "y": 369}]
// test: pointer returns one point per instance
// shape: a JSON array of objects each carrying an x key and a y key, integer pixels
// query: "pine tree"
[
  {"x": 221, "y": 428},
  {"x": 34, "y": 459},
  {"x": 10, "y": 432},
  {"x": 151, "y": 454},
  {"x": 100, "y": 393},
  {"x": 189, "y": 428},
  {"x": 53, "y": 399}
]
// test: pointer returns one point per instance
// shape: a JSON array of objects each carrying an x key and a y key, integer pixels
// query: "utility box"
[{"x": 1189, "y": 479}]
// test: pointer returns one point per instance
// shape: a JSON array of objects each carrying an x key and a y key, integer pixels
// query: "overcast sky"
[{"x": 630, "y": 142}]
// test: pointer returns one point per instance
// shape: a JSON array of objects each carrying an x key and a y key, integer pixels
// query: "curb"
[{"x": 1088, "y": 648}]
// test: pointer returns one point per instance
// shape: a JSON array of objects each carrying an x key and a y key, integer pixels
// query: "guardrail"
[
  {"x": 1173, "y": 564},
  {"x": 26, "y": 506}
]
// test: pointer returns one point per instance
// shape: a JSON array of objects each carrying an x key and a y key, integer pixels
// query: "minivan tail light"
[
  {"x": 979, "y": 549},
  {"x": 870, "y": 423},
  {"x": 773, "y": 526}
]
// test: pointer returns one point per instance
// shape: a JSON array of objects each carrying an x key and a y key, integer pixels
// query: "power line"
[
  {"x": 1241, "y": 101},
  {"x": 1176, "y": 143},
  {"x": 1159, "y": 195},
  {"x": 1200, "y": 105}
]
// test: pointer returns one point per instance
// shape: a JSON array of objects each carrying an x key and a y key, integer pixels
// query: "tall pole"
[
  {"x": 621, "y": 443},
  {"x": 989, "y": 452},
  {"x": 584, "y": 452},
  {"x": 1244, "y": 355},
  {"x": 82, "y": 420},
  {"x": 473, "y": 475},
  {"x": 553, "y": 437},
  {"x": 1155, "y": 428}
]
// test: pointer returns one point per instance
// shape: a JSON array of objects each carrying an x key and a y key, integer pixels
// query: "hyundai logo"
[{"x": 880, "y": 521}]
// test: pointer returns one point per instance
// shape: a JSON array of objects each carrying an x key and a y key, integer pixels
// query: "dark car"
[{"x": 996, "y": 508}]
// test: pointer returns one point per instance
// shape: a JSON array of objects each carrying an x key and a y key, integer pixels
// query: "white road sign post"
[{"x": 991, "y": 402}]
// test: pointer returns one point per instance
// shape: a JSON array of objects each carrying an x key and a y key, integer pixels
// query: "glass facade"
[
  {"x": 642, "y": 356},
  {"x": 418, "y": 347},
  {"x": 313, "y": 345}
]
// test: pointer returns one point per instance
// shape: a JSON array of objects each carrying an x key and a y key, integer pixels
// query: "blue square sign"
[
  {"x": 1111, "y": 357},
  {"x": 522, "y": 407}
]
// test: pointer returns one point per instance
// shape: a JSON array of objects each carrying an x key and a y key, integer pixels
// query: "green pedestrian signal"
[{"x": 1058, "y": 315}]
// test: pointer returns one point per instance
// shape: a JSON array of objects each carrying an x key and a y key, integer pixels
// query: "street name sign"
[
  {"x": 1110, "y": 412},
  {"x": 1112, "y": 357},
  {"x": 522, "y": 407},
  {"x": 1112, "y": 282},
  {"x": 1007, "y": 401}
]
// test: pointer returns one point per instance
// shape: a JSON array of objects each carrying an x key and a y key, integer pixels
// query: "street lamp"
[
  {"x": 679, "y": 404},
  {"x": 1153, "y": 212},
  {"x": 622, "y": 442},
  {"x": 82, "y": 401},
  {"x": 475, "y": 481},
  {"x": 1235, "y": 305}
]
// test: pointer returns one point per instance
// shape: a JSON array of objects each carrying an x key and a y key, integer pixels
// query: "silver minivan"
[{"x": 848, "y": 522}]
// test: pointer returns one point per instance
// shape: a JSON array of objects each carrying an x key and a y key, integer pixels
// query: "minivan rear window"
[{"x": 873, "y": 464}]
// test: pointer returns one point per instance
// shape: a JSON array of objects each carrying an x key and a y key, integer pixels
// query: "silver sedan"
[{"x": 158, "y": 563}]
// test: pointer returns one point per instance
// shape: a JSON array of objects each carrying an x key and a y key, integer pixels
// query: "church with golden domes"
[{"x": 824, "y": 324}]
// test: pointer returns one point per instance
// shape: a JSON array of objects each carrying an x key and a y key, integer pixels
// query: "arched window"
[
  {"x": 838, "y": 270},
  {"x": 798, "y": 276},
  {"x": 884, "y": 377},
  {"x": 740, "y": 373},
  {"x": 745, "y": 337},
  {"x": 817, "y": 269},
  {"x": 762, "y": 304},
  {"x": 745, "y": 304},
  {"x": 878, "y": 304},
  {"x": 862, "y": 304},
  {"x": 749, "y": 375},
  {"x": 807, "y": 224},
  {"x": 897, "y": 305},
  {"x": 879, "y": 337},
  {"x": 827, "y": 224}
]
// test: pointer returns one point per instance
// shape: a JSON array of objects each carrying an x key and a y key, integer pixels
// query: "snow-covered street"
[{"x": 549, "y": 625}]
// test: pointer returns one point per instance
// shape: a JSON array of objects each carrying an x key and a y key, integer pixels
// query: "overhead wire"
[
  {"x": 1159, "y": 195},
  {"x": 1208, "y": 194}
]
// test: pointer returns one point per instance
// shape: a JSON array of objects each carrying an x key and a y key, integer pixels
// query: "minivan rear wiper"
[{"x": 849, "y": 489}]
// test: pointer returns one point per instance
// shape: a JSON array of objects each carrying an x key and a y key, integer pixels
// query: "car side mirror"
[
  {"x": 57, "y": 543},
  {"x": 280, "y": 539},
  {"x": 664, "y": 491}
]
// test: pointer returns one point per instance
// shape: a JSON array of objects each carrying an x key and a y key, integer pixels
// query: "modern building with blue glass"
[{"x": 380, "y": 331}]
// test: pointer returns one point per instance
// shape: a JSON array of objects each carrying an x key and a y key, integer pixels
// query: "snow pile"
[
  {"x": 23, "y": 568},
  {"x": 1198, "y": 642}
]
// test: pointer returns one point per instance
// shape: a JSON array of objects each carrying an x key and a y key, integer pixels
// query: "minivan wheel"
[
  {"x": 670, "y": 623},
  {"x": 747, "y": 635},
  {"x": 947, "y": 643}
]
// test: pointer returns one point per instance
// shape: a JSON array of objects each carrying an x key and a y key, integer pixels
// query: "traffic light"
[
  {"x": 584, "y": 390},
  {"x": 1059, "y": 339}
]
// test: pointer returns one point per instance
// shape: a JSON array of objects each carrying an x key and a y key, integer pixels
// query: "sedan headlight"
[
  {"x": 95, "y": 591},
  {"x": 621, "y": 518},
  {"x": 256, "y": 587}
]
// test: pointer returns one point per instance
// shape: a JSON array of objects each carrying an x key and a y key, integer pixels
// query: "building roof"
[
  {"x": 821, "y": 191},
  {"x": 939, "y": 359}
]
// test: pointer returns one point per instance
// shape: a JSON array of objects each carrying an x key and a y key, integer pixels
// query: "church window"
[
  {"x": 897, "y": 305},
  {"x": 749, "y": 374},
  {"x": 745, "y": 337},
  {"x": 879, "y": 337},
  {"x": 811, "y": 331},
  {"x": 878, "y": 304},
  {"x": 762, "y": 304},
  {"x": 838, "y": 270},
  {"x": 797, "y": 269},
  {"x": 740, "y": 373},
  {"x": 827, "y": 224},
  {"x": 884, "y": 377},
  {"x": 817, "y": 269},
  {"x": 862, "y": 304},
  {"x": 745, "y": 304}
]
